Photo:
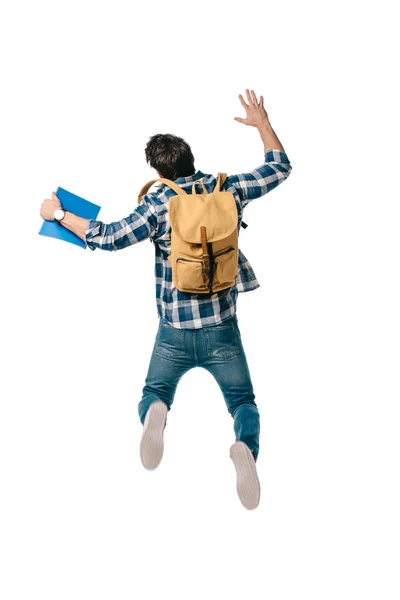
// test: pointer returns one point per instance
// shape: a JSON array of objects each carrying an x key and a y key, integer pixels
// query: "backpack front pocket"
[
  {"x": 191, "y": 274},
  {"x": 225, "y": 267}
]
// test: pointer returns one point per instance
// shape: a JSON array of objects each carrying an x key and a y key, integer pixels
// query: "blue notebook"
[{"x": 78, "y": 206}]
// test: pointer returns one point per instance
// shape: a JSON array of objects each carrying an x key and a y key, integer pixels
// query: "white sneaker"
[
  {"x": 152, "y": 442},
  {"x": 247, "y": 484}
]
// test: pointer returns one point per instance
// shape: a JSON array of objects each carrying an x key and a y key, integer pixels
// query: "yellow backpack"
[{"x": 204, "y": 237}]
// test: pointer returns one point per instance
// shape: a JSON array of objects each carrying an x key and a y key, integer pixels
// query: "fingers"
[
  {"x": 262, "y": 101},
  {"x": 254, "y": 97},
  {"x": 251, "y": 98},
  {"x": 240, "y": 120},
  {"x": 245, "y": 106}
]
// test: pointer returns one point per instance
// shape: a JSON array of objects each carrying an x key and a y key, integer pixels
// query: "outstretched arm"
[
  {"x": 276, "y": 167},
  {"x": 136, "y": 227}
]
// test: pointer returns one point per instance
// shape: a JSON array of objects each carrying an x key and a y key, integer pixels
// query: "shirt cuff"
[{"x": 93, "y": 229}]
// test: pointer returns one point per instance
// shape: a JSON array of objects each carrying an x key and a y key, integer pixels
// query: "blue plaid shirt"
[{"x": 149, "y": 220}]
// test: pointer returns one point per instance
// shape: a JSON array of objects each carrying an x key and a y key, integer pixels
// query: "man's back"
[{"x": 150, "y": 220}]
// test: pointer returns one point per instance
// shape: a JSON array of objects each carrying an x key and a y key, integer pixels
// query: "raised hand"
[{"x": 256, "y": 115}]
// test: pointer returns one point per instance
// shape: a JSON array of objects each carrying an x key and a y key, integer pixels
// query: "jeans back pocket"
[
  {"x": 170, "y": 341},
  {"x": 221, "y": 342}
]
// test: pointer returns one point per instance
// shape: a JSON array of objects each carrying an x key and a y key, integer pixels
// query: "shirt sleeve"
[
  {"x": 138, "y": 226},
  {"x": 263, "y": 179}
]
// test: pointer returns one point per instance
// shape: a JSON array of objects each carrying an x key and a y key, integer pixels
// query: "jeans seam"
[
  {"x": 169, "y": 357},
  {"x": 222, "y": 360}
]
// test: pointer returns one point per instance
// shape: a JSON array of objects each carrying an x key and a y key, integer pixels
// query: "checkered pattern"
[{"x": 149, "y": 220}]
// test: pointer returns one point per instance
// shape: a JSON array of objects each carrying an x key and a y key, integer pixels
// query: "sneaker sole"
[
  {"x": 247, "y": 482},
  {"x": 152, "y": 442}
]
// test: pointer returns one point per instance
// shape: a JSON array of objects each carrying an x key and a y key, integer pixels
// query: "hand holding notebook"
[{"x": 74, "y": 204}]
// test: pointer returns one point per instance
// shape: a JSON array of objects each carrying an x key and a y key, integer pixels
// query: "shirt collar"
[{"x": 189, "y": 178}]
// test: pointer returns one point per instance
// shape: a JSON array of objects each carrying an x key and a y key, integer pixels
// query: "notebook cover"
[{"x": 77, "y": 205}]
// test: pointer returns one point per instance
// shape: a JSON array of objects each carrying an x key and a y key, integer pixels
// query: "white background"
[{"x": 84, "y": 85}]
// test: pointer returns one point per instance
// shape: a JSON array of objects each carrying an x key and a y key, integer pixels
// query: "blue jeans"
[{"x": 217, "y": 348}]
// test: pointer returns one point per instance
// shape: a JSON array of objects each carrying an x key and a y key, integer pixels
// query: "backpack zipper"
[
  {"x": 224, "y": 252},
  {"x": 212, "y": 264},
  {"x": 191, "y": 260}
]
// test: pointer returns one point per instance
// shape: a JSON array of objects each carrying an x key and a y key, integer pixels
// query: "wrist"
[
  {"x": 265, "y": 127},
  {"x": 270, "y": 138},
  {"x": 78, "y": 225},
  {"x": 59, "y": 215},
  {"x": 62, "y": 222}
]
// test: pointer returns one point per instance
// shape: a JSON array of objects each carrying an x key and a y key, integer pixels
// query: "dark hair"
[{"x": 170, "y": 155}]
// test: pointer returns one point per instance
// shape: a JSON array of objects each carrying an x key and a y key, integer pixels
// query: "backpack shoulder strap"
[
  {"x": 220, "y": 181},
  {"x": 168, "y": 182}
]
